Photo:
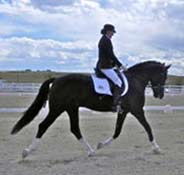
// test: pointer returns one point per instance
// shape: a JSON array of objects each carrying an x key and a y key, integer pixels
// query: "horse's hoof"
[
  {"x": 157, "y": 151},
  {"x": 91, "y": 154},
  {"x": 25, "y": 153},
  {"x": 100, "y": 145}
]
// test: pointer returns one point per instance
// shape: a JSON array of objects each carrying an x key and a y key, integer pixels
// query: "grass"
[{"x": 29, "y": 76}]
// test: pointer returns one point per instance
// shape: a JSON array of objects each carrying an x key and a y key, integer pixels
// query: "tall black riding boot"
[{"x": 116, "y": 99}]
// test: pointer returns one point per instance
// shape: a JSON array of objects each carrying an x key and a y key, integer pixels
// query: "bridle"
[
  {"x": 158, "y": 86},
  {"x": 155, "y": 87}
]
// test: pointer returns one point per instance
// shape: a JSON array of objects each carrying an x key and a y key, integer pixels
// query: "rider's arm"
[{"x": 111, "y": 54}]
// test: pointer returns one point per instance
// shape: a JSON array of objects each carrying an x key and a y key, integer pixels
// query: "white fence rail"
[
  {"x": 19, "y": 87},
  {"x": 174, "y": 89},
  {"x": 169, "y": 90}
]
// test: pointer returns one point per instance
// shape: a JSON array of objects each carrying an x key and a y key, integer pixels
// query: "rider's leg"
[
  {"x": 116, "y": 99},
  {"x": 112, "y": 75}
]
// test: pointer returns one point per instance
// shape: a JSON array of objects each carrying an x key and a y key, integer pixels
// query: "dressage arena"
[{"x": 61, "y": 154}]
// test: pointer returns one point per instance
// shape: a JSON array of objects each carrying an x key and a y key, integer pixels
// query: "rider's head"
[{"x": 108, "y": 30}]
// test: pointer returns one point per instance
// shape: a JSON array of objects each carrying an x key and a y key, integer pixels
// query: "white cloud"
[
  {"x": 45, "y": 50},
  {"x": 53, "y": 3},
  {"x": 146, "y": 29}
]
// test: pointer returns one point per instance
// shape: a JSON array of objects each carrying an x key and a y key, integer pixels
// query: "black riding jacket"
[{"x": 106, "y": 57}]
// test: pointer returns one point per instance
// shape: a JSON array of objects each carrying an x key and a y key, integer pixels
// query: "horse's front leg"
[
  {"x": 141, "y": 118},
  {"x": 119, "y": 124}
]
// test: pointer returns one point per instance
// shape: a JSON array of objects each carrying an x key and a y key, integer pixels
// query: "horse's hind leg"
[
  {"x": 75, "y": 129},
  {"x": 119, "y": 124},
  {"x": 43, "y": 126}
]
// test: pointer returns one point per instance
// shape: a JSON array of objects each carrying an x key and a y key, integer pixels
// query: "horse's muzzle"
[{"x": 159, "y": 95}]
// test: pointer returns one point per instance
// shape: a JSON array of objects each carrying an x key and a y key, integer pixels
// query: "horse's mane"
[{"x": 142, "y": 66}]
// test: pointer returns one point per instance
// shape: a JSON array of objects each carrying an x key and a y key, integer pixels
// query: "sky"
[{"x": 63, "y": 35}]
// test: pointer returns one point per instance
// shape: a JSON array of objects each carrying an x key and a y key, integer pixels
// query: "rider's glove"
[{"x": 122, "y": 68}]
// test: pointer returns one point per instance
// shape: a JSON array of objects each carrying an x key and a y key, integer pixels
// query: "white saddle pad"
[{"x": 101, "y": 85}]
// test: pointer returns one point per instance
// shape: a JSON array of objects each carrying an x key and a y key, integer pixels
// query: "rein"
[{"x": 156, "y": 86}]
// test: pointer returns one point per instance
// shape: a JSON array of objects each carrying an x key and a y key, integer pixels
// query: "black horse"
[{"x": 72, "y": 91}]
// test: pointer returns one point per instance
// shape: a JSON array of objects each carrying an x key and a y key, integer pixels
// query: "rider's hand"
[{"x": 122, "y": 68}]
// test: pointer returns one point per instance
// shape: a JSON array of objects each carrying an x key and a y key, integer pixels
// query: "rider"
[{"x": 107, "y": 61}]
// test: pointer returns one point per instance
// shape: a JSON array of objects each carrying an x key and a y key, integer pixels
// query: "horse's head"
[
  {"x": 158, "y": 79},
  {"x": 153, "y": 72}
]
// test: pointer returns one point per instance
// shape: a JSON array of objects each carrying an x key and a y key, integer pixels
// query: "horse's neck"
[{"x": 143, "y": 78}]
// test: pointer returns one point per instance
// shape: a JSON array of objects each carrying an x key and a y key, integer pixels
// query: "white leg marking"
[
  {"x": 87, "y": 147},
  {"x": 31, "y": 148},
  {"x": 105, "y": 143},
  {"x": 155, "y": 147}
]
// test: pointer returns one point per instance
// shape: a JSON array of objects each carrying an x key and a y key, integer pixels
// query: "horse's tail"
[{"x": 35, "y": 107}]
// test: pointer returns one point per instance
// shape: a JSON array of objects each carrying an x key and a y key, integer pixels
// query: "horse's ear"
[{"x": 168, "y": 66}]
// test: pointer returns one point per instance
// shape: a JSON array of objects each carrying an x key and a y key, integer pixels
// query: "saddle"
[
  {"x": 104, "y": 85},
  {"x": 99, "y": 74}
]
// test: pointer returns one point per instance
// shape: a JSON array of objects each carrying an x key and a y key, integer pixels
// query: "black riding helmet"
[{"x": 108, "y": 27}]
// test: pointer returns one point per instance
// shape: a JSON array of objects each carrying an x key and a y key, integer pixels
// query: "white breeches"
[{"x": 112, "y": 75}]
